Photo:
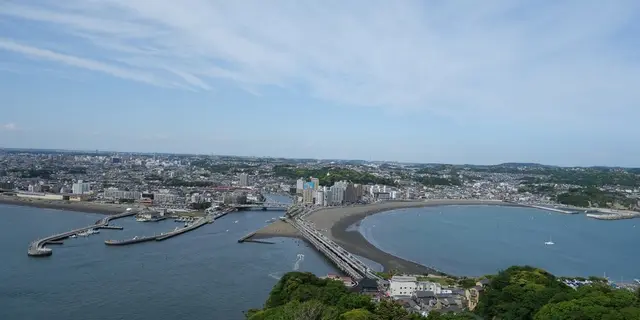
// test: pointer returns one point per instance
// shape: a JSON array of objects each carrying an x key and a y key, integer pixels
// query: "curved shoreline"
[{"x": 335, "y": 222}]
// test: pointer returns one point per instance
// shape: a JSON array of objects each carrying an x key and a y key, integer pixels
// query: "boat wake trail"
[
  {"x": 275, "y": 276},
  {"x": 296, "y": 265}
]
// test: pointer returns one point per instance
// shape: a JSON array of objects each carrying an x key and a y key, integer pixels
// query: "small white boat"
[
  {"x": 549, "y": 243},
  {"x": 235, "y": 221},
  {"x": 73, "y": 236}
]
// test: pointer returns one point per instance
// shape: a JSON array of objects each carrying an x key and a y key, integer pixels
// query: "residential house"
[{"x": 473, "y": 296}]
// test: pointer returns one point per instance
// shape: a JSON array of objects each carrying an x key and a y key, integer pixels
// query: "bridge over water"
[
  {"x": 344, "y": 260},
  {"x": 263, "y": 206}
]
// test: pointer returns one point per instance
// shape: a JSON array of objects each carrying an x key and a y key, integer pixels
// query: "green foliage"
[
  {"x": 358, "y": 314},
  {"x": 530, "y": 293},
  {"x": 593, "y": 303},
  {"x": 536, "y": 188},
  {"x": 592, "y": 196},
  {"x": 595, "y": 176},
  {"x": 467, "y": 283},
  {"x": 389, "y": 310},
  {"x": 439, "y": 181},
  {"x": 301, "y": 295},
  {"x": 208, "y": 165},
  {"x": 329, "y": 175},
  {"x": 435, "y": 315},
  {"x": 518, "y": 293}
]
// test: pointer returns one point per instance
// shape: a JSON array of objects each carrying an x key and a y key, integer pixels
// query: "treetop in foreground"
[{"x": 517, "y": 293}]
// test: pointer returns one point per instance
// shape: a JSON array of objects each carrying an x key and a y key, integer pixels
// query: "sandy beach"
[
  {"x": 89, "y": 207},
  {"x": 335, "y": 221},
  {"x": 277, "y": 229}
]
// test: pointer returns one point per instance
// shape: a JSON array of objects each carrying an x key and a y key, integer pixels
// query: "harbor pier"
[{"x": 38, "y": 247}]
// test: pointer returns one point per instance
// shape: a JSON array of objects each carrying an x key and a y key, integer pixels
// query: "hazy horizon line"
[{"x": 98, "y": 151}]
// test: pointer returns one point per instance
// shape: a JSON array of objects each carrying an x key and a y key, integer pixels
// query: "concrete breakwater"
[
  {"x": 37, "y": 248},
  {"x": 160, "y": 237},
  {"x": 614, "y": 216},
  {"x": 551, "y": 209},
  {"x": 196, "y": 223}
]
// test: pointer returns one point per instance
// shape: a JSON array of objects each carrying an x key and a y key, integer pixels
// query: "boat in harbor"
[
  {"x": 88, "y": 233},
  {"x": 135, "y": 239},
  {"x": 148, "y": 215}
]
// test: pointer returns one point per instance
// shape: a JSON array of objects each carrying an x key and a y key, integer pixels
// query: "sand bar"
[{"x": 277, "y": 229}]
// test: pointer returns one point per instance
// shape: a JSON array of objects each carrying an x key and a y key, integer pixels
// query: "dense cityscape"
[{"x": 196, "y": 181}]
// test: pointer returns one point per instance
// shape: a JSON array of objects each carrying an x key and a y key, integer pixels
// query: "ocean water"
[
  {"x": 203, "y": 274},
  {"x": 478, "y": 240}
]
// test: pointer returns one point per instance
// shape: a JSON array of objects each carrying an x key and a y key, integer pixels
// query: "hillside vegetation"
[{"x": 517, "y": 293}]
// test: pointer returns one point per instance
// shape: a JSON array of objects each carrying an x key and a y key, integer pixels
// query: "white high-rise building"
[
  {"x": 244, "y": 180},
  {"x": 337, "y": 194},
  {"x": 327, "y": 197},
  {"x": 80, "y": 187},
  {"x": 299, "y": 185},
  {"x": 307, "y": 196},
  {"x": 320, "y": 198}
]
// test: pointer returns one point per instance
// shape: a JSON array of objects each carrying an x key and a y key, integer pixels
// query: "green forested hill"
[{"x": 517, "y": 293}]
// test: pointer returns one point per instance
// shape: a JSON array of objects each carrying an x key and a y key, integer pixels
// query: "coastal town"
[
  {"x": 194, "y": 182},
  {"x": 323, "y": 197}
]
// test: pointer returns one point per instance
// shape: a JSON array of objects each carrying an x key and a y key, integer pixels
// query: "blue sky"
[{"x": 424, "y": 81}]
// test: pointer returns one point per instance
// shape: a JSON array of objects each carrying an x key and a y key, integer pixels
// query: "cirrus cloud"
[{"x": 524, "y": 59}]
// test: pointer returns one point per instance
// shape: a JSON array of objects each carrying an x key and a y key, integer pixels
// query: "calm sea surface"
[
  {"x": 478, "y": 240},
  {"x": 204, "y": 274}
]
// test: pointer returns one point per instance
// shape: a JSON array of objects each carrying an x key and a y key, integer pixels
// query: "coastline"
[
  {"x": 86, "y": 207},
  {"x": 334, "y": 222}
]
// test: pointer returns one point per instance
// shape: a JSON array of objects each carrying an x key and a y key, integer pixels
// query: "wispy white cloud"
[
  {"x": 9, "y": 127},
  {"x": 9, "y": 45},
  {"x": 522, "y": 60}
]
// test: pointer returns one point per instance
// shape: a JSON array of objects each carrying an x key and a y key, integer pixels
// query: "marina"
[
  {"x": 191, "y": 223},
  {"x": 38, "y": 247}
]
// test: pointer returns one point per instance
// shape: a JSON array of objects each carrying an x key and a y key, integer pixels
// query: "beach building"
[
  {"x": 115, "y": 194},
  {"x": 434, "y": 287},
  {"x": 307, "y": 196},
  {"x": 81, "y": 187},
  {"x": 316, "y": 183},
  {"x": 337, "y": 194},
  {"x": 244, "y": 180},
  {"x": 402, "y": 286},
  {"x": 299, "y": 186},
  {"x": 320, "y": 198}
]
